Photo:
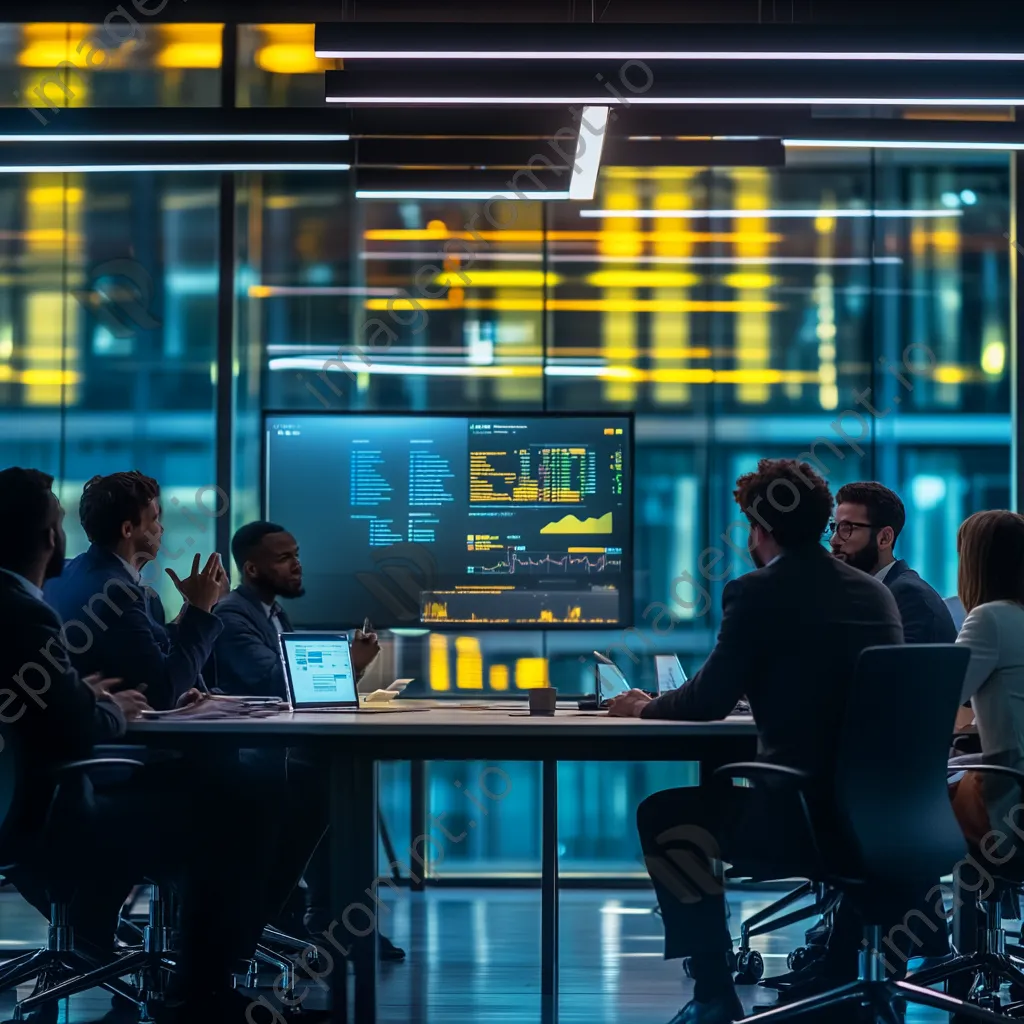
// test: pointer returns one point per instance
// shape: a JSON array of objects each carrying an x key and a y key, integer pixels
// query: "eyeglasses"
[{"x": 844, "y": 530}]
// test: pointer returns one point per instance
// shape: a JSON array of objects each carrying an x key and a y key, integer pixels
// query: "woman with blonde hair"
[{"x": 991, "y": 586}]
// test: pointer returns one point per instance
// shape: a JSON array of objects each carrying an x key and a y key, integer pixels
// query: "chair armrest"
[
  {"x": 990, "y": 769},
  {"x": 754, "y": 770},
  {"x": 962, "y": 761},
  {"x": 97, "y": 762}
]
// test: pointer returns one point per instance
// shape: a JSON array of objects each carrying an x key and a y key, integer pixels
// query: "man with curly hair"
[{"x": 790, "y": 636}]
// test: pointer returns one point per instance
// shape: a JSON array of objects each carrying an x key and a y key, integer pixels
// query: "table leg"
[
  {"x": 354, "y": 882},
  {"x": 417, "y": 816},
  {"x": 549, "y": 894}
]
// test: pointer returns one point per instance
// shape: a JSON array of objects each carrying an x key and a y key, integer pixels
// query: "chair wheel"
[
  {"x": 802, "y": 957},
  {"x": 749, "y": 968}
]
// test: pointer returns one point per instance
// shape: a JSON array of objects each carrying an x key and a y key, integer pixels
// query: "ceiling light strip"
[
  {"x": 640, "y": 53},
  {"x": 428, "y": 100},
  {"x": 476, "y": 195},
  {"x": 778, "y": 214},
  {"x": 987, "y": 147},
  {"x": 139, "y": 168},
  {"x": 172, "y": 137},
  {"x": 589, "y": 146}
]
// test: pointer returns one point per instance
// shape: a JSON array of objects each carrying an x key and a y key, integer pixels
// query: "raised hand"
[
  {"x": 202, "y": 589},
  {"x": 364, "y": 649}
]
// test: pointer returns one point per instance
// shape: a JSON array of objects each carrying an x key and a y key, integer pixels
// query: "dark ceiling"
[{"x": 960, "y": 17}]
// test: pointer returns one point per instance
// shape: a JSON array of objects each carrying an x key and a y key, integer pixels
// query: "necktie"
[{"x": 275, "y": 616}]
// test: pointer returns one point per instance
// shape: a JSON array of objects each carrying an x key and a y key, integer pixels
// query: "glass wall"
[
  {"x": 852, "y": 308},
  {"x": 108, "y": 341}
]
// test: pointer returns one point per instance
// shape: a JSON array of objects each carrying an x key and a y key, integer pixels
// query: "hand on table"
[
  {"x": 202, "y": 589},
  {"x": 629, "y": 705},
  {"x": 190, "y": 697},
  {"x": 364, "y": 649},
  {"x": 131, "y": 702}
]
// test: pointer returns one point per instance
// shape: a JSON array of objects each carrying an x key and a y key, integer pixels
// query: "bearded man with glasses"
[{"x": 868, "y": 520}]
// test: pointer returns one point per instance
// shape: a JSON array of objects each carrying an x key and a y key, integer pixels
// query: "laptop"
[
  {"x": 610, "y": 680},
  {"x": 318, "y": 668},
  {"x": 669, "y": 672}
]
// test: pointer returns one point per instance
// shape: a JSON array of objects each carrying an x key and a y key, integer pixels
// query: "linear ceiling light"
[
  {"x": 170, "y": 137},
  {"x": 57, "y": 168},
  {"x": 987, "y": 147},
  {"x": 478, "y": 195},
  {"x": 349, "y": 53},
  {"x": 426, "y": 99},
  {"x": 744, "y": 214},
  {"x": 589, "y": 145},
  {"x": 674, "y": 42}
]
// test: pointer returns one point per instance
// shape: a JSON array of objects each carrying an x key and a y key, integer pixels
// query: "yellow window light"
[{"x": 531, "y": 673}]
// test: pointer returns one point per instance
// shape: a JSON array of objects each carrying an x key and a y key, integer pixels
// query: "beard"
[
  {"x": 866, "y": 558},
  {"x": 300, "y": 591},
  {"x": 55, "y": 566}
]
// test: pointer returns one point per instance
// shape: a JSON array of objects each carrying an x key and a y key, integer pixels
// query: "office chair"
[
  {"x": 994, "y": 962},
  {"x": 749, "y": 965},
  {"x": 898, "y": 834},
  {"x": 76, "y": 971}
]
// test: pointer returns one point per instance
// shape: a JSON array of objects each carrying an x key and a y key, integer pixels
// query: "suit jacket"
[
  {"x": 248, "y": 652},
  {"x": 128, "y": 642},
  {"x": 790, "y": 636},
  {"x": 925, "y": 617},
  {"x": 51, "y": 714}
]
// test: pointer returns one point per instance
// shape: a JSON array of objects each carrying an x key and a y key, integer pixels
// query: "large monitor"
[{"x": 455, "y": 521}]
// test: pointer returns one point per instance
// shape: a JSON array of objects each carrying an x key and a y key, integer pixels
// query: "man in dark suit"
[
  {"x": 107, "y": 837},
  {"x": 248, "y": 654},
  {"x": 790, "y": 636},
  {"x": 868, "y": 521},
  {"x": 249, "y": 662},
  {"x": 120, "y": 514}
]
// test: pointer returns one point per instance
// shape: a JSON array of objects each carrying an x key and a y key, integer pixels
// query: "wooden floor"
[{"x": 473, "y": 958}]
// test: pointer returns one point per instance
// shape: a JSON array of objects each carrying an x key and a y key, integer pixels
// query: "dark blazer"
[
  {"x": 925, "y": 617},
  {"x": 248, "y": 653},
  {"x": 49, "y": 712},
  {"x": 789, "y": 640},
  {"x": 128, "y": 642}
]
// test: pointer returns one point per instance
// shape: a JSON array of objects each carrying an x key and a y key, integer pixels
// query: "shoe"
[
  {"x": 715, "y": 1011},
  {"x": 317, "y": 922}
]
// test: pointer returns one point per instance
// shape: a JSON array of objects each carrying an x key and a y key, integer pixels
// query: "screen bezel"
[
  {"x": 626, "y": 601},
  {"x": 314, "y": 635}
]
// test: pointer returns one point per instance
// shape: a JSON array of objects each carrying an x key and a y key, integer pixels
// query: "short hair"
[
  {"x": 991, "y": 549},
  {"x": 786, "y": 498},
  {"x": 110, "y": 501},
  {"x": 26, "y": 512},
  {"x": 884, "y": 506},
  {"x": 248, "y": 537}
]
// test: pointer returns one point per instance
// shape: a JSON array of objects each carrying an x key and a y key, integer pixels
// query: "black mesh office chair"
[
  {"x": 980, "y": 973},
  {"x": 898, "y": 835},
  {"x": 63, "y": 969}
]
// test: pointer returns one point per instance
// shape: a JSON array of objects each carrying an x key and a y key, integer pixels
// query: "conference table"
[{"x": 352, "y": 743}]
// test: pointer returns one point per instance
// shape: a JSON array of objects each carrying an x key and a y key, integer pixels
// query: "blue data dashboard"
[{"x": 489, "y": 522}]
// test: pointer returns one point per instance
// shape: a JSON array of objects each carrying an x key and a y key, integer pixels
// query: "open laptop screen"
[
  {"x": 670, "y": 673},
  {"x": 319, "y": 670}
]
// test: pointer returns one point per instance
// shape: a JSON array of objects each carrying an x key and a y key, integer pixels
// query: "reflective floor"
[{"x": 473, "y": 957}]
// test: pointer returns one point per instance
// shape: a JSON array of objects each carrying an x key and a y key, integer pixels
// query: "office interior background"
[{"x": 885, "y": 273}]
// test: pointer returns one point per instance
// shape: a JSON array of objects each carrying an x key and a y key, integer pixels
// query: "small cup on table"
[{"x": 542, "y": 700}]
